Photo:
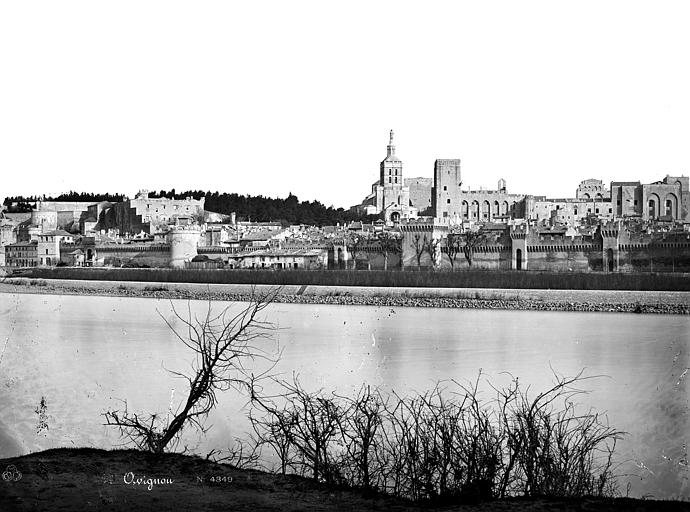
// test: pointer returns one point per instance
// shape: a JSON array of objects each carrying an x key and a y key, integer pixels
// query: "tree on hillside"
[
  {"x": 223, "y": 344},
  {"x": 71, "y": 196}
]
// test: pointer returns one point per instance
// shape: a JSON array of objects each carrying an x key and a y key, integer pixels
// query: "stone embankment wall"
[{"x": 511, "y": 299}]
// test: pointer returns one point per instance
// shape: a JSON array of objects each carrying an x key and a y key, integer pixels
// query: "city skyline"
[{"x": 300, "y": 98}]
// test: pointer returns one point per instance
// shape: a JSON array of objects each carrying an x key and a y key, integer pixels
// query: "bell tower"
[{"x": 391, "y": 167}]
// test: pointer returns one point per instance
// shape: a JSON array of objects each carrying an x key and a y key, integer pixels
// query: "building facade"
[
  {"x": 22, "y": 254},
  {"x": 665, "y": 200},
  {"x": 48, "y": 246},
  {"x": 420, "y": 193},
  {"x": 592, "y": 189},
  {"x": 453, "y": 205},
  {"x": 304, "y": 259},
  {"x": 570, "y": 212},
  {"x": 149, "y": 214}
]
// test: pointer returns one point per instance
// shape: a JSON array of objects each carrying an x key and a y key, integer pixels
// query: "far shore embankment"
[{"x": 619, "y": 301}]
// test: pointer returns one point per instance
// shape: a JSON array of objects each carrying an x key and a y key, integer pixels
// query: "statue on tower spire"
[{"x": 391, "y": 147}]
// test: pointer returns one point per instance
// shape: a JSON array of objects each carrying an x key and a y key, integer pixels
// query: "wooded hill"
[{"x": 255, "y": 208}]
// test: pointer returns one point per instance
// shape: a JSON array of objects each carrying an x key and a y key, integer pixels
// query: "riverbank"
[
  {"x": 467, "y": 298},
  {"x": 123, "y": 480}
]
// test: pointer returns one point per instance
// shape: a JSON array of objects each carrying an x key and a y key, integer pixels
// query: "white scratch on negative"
[
  {"x": 641, "y": 465},
  {"x": 170, "y": 408},
  {"x": 3, "y": 349},
  {"x": 373, "y": 340},
  {"x": 681, "y": 376}
]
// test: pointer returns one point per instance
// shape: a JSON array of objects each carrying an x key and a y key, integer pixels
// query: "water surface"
[{"x": 86, "y": 354}]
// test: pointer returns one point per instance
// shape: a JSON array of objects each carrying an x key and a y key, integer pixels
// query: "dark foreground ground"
[{"x": 89, "y": 479}]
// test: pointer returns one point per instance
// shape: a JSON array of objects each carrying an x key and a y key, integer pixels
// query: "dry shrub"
[{"x": 444, "y": 445}]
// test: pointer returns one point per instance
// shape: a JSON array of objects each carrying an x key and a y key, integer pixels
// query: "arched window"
[
  {"x": 654, "y": 205},
  {"x": 475, "y": 210},
  {"x": 671, "y": 204},
  {"x": 652, "y": 208}
]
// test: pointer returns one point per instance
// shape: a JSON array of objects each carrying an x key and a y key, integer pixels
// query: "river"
[{"x": 85, "y": 354}]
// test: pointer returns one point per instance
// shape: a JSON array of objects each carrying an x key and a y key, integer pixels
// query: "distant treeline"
[
  {"x": 25, "y": 204},
  {"x": 266, "y": 209},
  {"x": 255, "y": 208}
]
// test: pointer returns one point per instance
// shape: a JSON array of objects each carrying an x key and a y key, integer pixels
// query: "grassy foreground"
[{"x": 89, "y": 479}]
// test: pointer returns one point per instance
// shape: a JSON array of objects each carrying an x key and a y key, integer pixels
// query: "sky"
[{"x": 299, "y": 97}]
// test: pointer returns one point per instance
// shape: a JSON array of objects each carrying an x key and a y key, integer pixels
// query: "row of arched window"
[
  {"x": 669, "y": 207},
  {"x": 485, "y": 211}
]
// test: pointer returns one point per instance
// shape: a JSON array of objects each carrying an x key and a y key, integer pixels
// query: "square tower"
[{"x": 445, "y": 195}]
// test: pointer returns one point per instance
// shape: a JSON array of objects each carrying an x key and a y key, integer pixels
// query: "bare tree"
[
  {"x": 222, "y": 343},
  {"x": 242, "y": 454},
  {"x": 553, "y": 451},
  {"x": 470, "y": 241},
  {"x": 355, "y": 245},
  {"x": 390, "y": 244},
  {"x": 452, "y": 248},
  {"x": 361, "y": 426},
  {"x": 308, "y": 423},
  {"x": 432, "y": 248},
  {"x": 419, "y": 245}
]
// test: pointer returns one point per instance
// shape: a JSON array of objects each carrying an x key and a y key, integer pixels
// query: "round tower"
[
  {"x": 47, "y": 220},
  {"x": 183, "y": 242}
]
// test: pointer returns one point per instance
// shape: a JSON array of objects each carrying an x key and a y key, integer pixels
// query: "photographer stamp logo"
[
  {"x": 132, "y": 479},
  {"x": 11, "y": 474}
]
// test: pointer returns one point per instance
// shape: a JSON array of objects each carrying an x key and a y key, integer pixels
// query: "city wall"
[
  {"x": 609, "y": 250},
  {"x": 117, "y": 255},
  {"x": 564, "y": 258}
]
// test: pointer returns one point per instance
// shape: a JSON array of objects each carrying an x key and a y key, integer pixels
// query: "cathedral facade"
[{"x": 389, "y": 195}]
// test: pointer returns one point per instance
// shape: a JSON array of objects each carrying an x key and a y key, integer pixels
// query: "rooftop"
[{"x": 57, "y": 232}]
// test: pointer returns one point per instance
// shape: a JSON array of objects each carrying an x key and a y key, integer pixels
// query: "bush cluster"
[{"x": 444, "y": 445}]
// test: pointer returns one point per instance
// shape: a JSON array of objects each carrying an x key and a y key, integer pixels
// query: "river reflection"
[{"x": 86, "y": 354}]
